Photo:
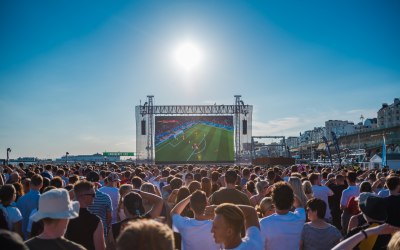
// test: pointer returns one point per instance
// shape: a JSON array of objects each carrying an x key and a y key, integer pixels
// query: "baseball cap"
[
  {"x": 134, "y": 203},
  {"x": 373, "y": 206}
]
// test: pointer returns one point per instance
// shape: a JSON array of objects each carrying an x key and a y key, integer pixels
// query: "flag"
[
  {"x": 336, "y": 144},
  {"x": 384, "y": 163},
  {"x": 328, "y": 150}
]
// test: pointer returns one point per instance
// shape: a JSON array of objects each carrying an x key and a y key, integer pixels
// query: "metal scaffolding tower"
[{"x": 148, "y": 110}]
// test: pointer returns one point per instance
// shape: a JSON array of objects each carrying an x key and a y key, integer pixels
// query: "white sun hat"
[{"x": 55, "y": 204}]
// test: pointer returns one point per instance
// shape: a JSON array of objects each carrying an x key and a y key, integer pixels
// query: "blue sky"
[{"x": 71, "y": 72}]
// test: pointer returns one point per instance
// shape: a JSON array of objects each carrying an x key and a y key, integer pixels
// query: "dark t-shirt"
[
  {"x": 81, "y": 229},
  {"x": 334, "y": 200},
  {"x": 230, "y": 196},
  {"x": 53, "y": 244},
  {"x": 393, "y": 206},
  {"x": 116, "y": 227}
]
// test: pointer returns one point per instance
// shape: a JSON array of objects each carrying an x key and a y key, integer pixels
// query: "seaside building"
[
  {"x": 389, "y": 115},
  {"x": 340, "y": 128},
  {"x": 89, "y": 158},
  {"x": 371, "y": 123},
  {"x": 292, "y": 141},
  {"x": 312, "y": 136}
]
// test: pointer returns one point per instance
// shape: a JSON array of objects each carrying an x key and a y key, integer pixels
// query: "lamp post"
[
  {"x": 8, "y": 155},
  {"x": 66, "y": 158}
]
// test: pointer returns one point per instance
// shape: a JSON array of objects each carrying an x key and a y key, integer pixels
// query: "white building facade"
[
  {"x": 389, "y": 115},
  {"x": 292, "y": 142},
  {"x": 340, "y": 128}
]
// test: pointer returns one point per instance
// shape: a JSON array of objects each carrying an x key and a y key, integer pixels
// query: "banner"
[
  {"x": 384, "y": 163},
  {"x": 336, "y": 144},
  {"x": 328, "y": 150}
]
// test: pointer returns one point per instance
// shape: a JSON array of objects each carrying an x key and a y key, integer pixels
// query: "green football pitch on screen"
[{"x": 185, "y": 139}]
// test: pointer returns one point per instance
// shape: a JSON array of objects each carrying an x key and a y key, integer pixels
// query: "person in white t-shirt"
[
  {"x": 195, "y": 232},
  {"x": 321, "y": 192},
  {"x": 11, "y": 214},
  {"x": 228, "y": 223},
  {"x": 282, "y": 230},
  {"x": 112, "y": 190},
  {"x": 351, "y": 191}
]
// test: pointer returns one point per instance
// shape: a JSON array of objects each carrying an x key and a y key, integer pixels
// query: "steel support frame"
[{"x": 150, "y": 110}]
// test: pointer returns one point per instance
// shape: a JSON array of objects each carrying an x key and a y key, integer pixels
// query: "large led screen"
[{"x": 197, "y": 139}]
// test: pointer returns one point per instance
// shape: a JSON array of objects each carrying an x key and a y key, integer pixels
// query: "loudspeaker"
[
  {"x": 143, "y": 127},
  {"x": 244, "y": 127}
]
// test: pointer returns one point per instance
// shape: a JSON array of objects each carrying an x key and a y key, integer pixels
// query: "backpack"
[{"x": 352, "y": 206}]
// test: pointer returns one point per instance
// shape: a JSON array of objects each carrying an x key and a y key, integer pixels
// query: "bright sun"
[{"x": 188, "y": 56}]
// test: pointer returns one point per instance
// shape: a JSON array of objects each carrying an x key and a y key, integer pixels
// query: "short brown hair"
[
  {"x": 176, "y": 183},
  {"x": 82, "y": 186},
  {"x": 392, "y": 182},
  {"x": 232, "y": 214},
  {"x": 36, "y": 180},
  {"x": 198, "y": 202},
  {"x": 230, "y": 176},
  {"x": 318, "y": 205},
  {"x": 56, "y": 182},
  {"x": 193, "y": 186},
  {"x": 146, "y": 234},
  {"x": 313, "y": 178},
  {"x": 352, "y": 176},
  {"x": 282, "y": 195}
]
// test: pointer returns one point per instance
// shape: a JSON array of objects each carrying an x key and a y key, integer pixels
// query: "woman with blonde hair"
[
  {"x": 307, "y": 187},
  {"x": 261, "y": 187},
  {"x": 394, "y": 243},
  {"x": 266, "y": 207},
  {"x": 123, "y": 190},
  {"x": 298, "y": 191},
  {"x": 149, "y": 188}
]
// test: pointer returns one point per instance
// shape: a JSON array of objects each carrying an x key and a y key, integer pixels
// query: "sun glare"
[{"x": 188, "y": 56}]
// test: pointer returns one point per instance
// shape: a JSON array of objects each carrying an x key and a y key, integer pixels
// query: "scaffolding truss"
[{"x": 147, "y": 112}]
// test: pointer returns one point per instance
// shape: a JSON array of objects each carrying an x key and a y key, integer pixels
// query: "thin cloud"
[
  {"x": 292, "y": 126},
  {"x": 276, "y": 127}
]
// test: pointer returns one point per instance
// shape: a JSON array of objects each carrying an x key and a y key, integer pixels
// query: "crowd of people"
[{"x": 201, "y": 207}]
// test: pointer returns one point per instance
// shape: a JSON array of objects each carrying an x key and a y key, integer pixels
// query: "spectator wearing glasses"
[
  {"x": 101, "y": 205},
  {"x": 87, "y": 229}
]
